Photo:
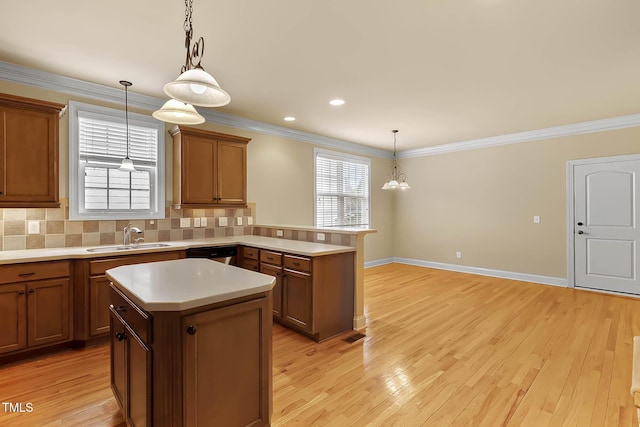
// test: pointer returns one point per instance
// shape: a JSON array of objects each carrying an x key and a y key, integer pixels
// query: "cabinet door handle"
[
  {"x": 278, "y": 274},
  {"x": 1, "y": 193},
  {"x": 296, "y": 263},
  {"x": 26, "y": 274},
  {"x": 120, "y": 336},
  {"x": 20, "y": 292},
  {"x": 270, "y": 258},
  {"x": 191, "y": 330},
  {"x": 122, "y": 308},
  {"x": 31, "y": 290}
]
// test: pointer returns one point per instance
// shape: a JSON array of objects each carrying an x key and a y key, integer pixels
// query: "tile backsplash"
[{"x": 54, "y": 230}]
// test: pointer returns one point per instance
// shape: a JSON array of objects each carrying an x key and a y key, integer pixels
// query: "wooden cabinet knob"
[{"x": 191, "y": 330}]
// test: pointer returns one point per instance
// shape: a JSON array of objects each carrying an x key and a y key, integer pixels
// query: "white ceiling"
[{"x": 440, "y": 71}]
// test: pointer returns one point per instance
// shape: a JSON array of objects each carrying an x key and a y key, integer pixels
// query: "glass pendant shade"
[
  {"x": 174, "y": 111},
  {"x": 197, "y": 87},
  {"x": 127, "y": 165}
]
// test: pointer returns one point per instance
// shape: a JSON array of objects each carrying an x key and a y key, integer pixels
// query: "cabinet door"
[
  {"x": 276, "y": 292},
  {"x": 198, "y": 159},
  {"x": 118, "y": 359},
  {"x": 29, "y": 145},
  {"x": 227, "y": 365},
  {"x": 98, "y": 305},
  {"x": 297, "y": 299},
  {"x": 232, "y": 173},
  {"x": 48, "y": 311},
  {"x": 13, "y": 311},
  {"x": 138, "y": 381}
]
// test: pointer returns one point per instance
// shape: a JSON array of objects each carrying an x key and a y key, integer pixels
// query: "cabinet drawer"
[
  {"x": 250, "y": 253},
  {"x": 33, "y": 271},
  {"x": 138, "y": 320},
  {"x": 99, "y": 266},
  {"x": 250, "y": 264},
  {"x": 297, "y": 263},
  {"x": 269, "y": 257}
]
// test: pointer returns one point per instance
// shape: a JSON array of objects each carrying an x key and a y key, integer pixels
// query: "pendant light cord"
[{"x": 126, "y": 84}]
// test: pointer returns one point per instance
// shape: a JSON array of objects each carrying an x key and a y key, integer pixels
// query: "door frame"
[{"x": 571, "y": 164}]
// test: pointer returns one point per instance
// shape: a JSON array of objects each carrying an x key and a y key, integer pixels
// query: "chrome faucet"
[{"x": 127, "y": 234}]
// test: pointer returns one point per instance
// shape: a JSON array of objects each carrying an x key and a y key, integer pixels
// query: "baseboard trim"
[
  {"x": 523, "y": 277},
  {"x": 378, "y": 262}
]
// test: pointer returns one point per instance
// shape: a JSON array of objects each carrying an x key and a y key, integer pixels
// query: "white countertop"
[
  {"x": 284, "y": 245},
  {"x": 186, "y": 283}
]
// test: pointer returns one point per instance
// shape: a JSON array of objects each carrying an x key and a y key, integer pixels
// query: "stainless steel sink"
[{"x": 125, "y": 248}]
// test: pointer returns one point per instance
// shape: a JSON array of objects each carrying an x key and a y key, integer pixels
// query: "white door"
[{"x": 606, "y": 231}]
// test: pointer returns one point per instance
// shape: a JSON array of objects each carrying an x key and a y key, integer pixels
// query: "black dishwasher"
[{"x": 224, "y": 254}]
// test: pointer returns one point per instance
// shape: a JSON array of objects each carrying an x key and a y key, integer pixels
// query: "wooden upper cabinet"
[
  {"x": 28, "y": 152},
  {"x": 209, "y": 168}
]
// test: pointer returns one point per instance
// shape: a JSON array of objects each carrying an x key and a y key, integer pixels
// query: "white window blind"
[
  {"x": 342, "y": 189},
  {"x": 98, "y": 143}
]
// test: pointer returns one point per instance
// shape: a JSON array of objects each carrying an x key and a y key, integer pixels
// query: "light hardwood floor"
[{"x": 442, "y": 348}]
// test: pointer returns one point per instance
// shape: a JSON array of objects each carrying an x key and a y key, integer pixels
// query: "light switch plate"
[
  {"x": 185, "y": 222},
  {"x": 196, "y": 222},
  {"x": 222, "y": 221},
  {"x": 203, "y": 221},
  {"x": 279, "y": 233},
  {"x": 536, "y": 219},
  {"x": 34, "y": 227},
  {"x": 250, "y": 220},
  {"x": 320, "y": 237},
  {"x": 239, "y": 220}
]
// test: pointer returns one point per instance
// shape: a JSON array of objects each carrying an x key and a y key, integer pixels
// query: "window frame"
[
  {"x": 345, "y": 158},
  {"x": 76, "y": 170}
]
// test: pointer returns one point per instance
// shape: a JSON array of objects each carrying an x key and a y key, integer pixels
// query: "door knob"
[{"x": 580, "y": 232}]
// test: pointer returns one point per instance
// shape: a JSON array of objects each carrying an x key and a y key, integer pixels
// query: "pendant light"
[
  {"x": 127, "y": 163},
  {"x": 194, "y": 85},
  {"x": 174, "y": 111},
  {"x": 398, "y": 180}
]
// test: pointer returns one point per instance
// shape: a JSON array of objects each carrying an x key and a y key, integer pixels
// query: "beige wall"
[
  {"x": 482, "y": 202},
  {"x": 280, "y": 175}
]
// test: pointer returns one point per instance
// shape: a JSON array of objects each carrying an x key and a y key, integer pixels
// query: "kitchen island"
[{"x": 191, "y": 344}]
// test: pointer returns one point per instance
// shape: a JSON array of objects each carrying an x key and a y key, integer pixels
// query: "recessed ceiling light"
[
  {"x": 289, "y": 119},
  {"x": 336, "y": 102}
]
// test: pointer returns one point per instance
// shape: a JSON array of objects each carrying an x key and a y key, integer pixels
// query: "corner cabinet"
[
  {"x": 209, "y": 169},
  {"x": 29, "y": 152}
]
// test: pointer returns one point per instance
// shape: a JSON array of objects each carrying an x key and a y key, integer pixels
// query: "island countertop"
[{"x": 186, "y": 283}]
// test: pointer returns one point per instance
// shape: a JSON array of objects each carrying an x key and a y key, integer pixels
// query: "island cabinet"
[
  {"x": 209, "y": 169},
  {"x": 193, "y": 346},
  {"x": 92, "y": 290},
  {"x": 312, "y": 295},
  {"x": 28, "y": 152},
  {"x": 34, "y": 305}
]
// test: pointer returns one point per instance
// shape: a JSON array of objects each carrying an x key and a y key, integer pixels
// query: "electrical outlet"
[
  {"x": 239, "y": 220},
  {"x": 458, "y": 254},
  {"x": 320, "y": 237},
  {"x": 203, "y": 221},
  {"x": 196, "y": 222},
  {"x": 536, "y": 219},
  {"x": 250, "y": 220},
  {"x": 185, "y": 222},
  {"x": 222, "y": 221},
  {"x": 34, "y": 227},
  {"x": 279, "y": 233}
]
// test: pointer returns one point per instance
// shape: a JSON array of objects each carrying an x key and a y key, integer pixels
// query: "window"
[
  {"x": 342, "y": 189},
  {"x": 97, "y": 145}
]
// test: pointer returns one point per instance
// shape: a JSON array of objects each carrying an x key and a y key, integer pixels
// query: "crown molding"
[
  {"x": 532, "y": 135},
  {"x": 70, "y": 86}
]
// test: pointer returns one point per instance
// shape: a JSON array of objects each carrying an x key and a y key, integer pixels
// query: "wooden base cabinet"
[
  {"x": 130, "y": 371},
  {"x": 312, "y": 295},
  {"x": 34, "y": 309},
  {"x": 206, "y": 366}
]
